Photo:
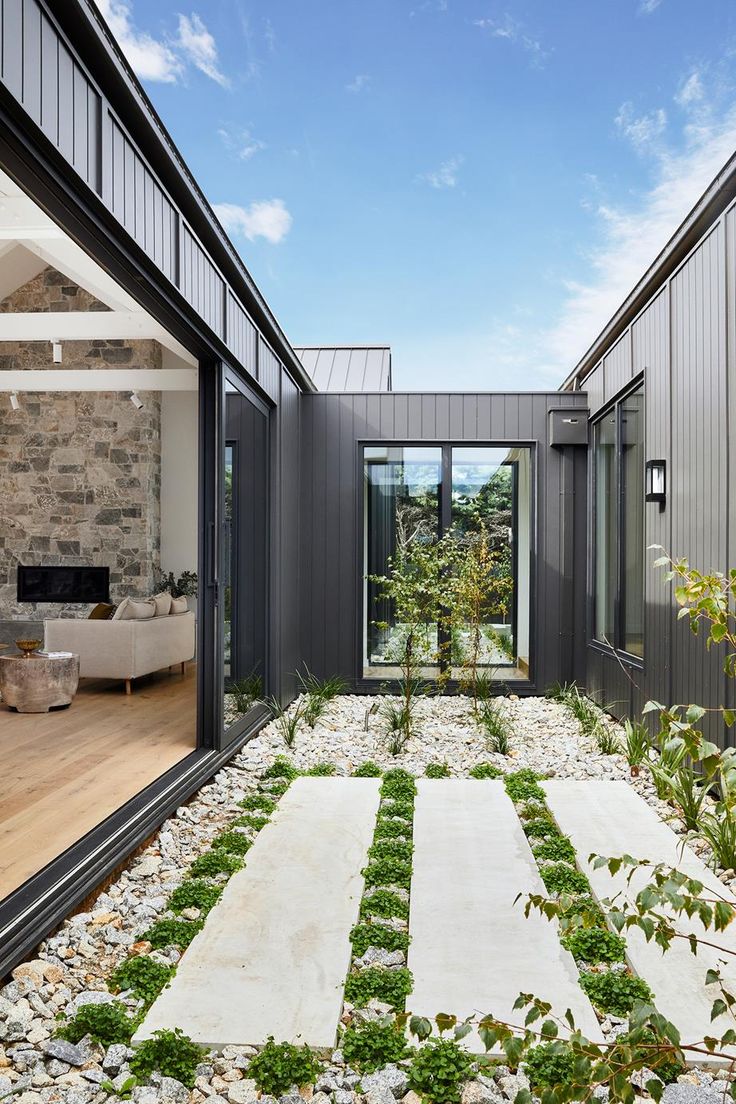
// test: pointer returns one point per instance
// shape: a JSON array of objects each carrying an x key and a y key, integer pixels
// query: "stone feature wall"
[{"x": 80, "y": 473}]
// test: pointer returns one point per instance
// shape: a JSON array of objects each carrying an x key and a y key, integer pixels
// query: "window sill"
[{"x": 626, "y": 658}]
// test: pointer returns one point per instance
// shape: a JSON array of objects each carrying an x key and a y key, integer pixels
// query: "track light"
[
  {"x": 14, "y": 400},
  {"x": 56, "y": 351},
  {"x": 136, "y": 400}
]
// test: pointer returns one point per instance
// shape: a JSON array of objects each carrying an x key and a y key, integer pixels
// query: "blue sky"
[{"x": 477, "y": 184}]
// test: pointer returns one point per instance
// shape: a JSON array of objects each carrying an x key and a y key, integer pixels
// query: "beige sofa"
[{"x": 124, "y": 649}]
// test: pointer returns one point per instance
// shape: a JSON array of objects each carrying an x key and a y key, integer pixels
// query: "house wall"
[
  {"x": 80, "y": 471},
  {"x": 334, "y": 425},
  {"x": 683, "y": 343}
]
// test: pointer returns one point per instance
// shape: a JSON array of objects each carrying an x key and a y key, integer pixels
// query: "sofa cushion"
[
  {"x": 135, "y": 609},
  {"x": 162, "y": 602},
  {"x": 103, "y": 611},
  {"x": 179, "y": 605}
]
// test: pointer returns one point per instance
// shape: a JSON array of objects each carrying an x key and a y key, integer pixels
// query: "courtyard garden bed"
[{"x": 116, "y": 956}]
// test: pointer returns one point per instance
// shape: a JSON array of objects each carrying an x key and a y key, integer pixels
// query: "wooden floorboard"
[{"x": 63, "y": 772}]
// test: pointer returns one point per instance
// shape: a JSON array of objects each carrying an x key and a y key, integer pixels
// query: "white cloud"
[
  {"x": 691, "y": 91},
  {"x": 267, "y": 219},
  {"x": 445, "y": 176},
  {"x": 641, "y": 130},
  {"x": 648, "y": 6},
  {"x": 199, "y": 47},
  {"x": 163, "y": 59},
  {"x": 627, "y": 234},
  {"x": 359, "y": 83},
  {"x": 512, "y": 31},
  {"x": 150, "y": 58},
  {"x": 632, "y": 236},
  {"x": 241, "y": 142}
]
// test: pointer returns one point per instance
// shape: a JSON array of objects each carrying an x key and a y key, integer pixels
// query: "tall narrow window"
[
  {"x": 619, "y": 525},
  {"x": 632, "y": 522},
  {"x": 402, "y": 504},
  {"x": 606, "y": 527}
]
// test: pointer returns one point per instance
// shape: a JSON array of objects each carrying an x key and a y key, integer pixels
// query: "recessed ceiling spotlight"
[
  {"x": 56, "y": 351},
  {"x": 14, "y": 400},
  {"x": 136, "y": 400}
]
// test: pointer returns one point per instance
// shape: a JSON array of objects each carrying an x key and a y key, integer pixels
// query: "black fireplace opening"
[{"x": 63, "y": 584}]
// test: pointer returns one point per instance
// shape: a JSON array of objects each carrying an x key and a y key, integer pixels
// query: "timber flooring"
[{"x": 62, "y": 773}]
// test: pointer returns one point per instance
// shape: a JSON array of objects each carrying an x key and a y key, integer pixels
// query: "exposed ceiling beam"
[
  {"x": 99, "y": 379},
  {"x": 66, "y": 256},
  {"x": 17, "y": 267},
  {"x": 89, "y": 326}
]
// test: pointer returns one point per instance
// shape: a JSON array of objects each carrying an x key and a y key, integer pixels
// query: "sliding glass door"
[{"x": 243, "y": 582}]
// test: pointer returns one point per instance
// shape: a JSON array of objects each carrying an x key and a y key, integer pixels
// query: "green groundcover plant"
[
  {"x": 615, "y": 993},
  {"x": 439, "y": 1069},
  {"x": 373, "y": 983},
  {"x": 143, "y": 976},
  {"x": 593, "y": 945},
  {"x": 278, "y": 1066},
  {"x": 105, "y": 1023},
  {"x": 385, "y": 904},
  {"x": 172, "y": 933},
  {"x": 364, "y": 936},
  {"x": 170, "y": 1053},
  {"x": 371, "y": 1046}
]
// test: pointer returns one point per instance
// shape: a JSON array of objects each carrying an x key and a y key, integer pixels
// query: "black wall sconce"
[{"x": 655, "y": 484}]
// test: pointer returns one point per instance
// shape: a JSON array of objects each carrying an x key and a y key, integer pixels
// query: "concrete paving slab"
[
  {"x": 610, "y": 818},
  {"x": 472, "y": 949},
  {"x": 274, "y": 953}
]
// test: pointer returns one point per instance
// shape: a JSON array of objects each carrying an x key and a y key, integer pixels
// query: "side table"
[{"x": 37, "y": 683}]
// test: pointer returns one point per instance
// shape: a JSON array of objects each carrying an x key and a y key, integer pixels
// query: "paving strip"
[
  {"x": 273, "y": 954},
  {"x": 472, "y": 949},
  {"x": 611, "y": 819}
]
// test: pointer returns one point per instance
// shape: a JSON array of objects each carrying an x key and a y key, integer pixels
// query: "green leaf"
[
  {"x": 421, "y": 1027},
  {"x": 719, "y": 1007}
]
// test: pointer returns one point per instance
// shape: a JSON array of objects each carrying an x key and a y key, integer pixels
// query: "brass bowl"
[{"x": 28, "y": 647}]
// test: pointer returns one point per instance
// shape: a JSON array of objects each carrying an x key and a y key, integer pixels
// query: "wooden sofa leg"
[
  {"x": 128, "y": 687},
  {"x": 183, "y": 668}
]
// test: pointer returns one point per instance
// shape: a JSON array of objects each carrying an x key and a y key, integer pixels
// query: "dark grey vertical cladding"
[
  {"x": 699, "y": 483},
  {"x": 242, "y": 336},
  {"x": 143, "y": 208},
  {"x": 269, "y": 370},
  {"x": 201, "y": 283},
  {"x": 683, "y": 343},
  {"x": 730, "y": 511},
  {"x": 333, "y": 426},
  {"x": 285, "y": 617},
  {"x": 43, "y": 75},
  {"x": 651, "y": 355}
]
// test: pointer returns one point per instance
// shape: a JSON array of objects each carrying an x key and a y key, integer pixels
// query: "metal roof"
[{"x": 347, "y": 367}]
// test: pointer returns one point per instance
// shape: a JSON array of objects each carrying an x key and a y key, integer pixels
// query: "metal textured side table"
[{"x": 37, "y": 683}]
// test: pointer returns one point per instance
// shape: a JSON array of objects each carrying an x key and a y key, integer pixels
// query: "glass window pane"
[
  {"x": 491, "y": 507},
  {"x": 244, "y": 565},
  {"x": 402, "y": 497},
  {"x": 632, "y": 477},
  {"x": 605, "y": 527}
]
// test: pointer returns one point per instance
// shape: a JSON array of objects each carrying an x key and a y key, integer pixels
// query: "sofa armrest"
[{"x": 105, "y": 648}]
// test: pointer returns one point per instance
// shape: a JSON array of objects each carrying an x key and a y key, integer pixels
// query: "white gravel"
[{"x": 71, "y": 967}]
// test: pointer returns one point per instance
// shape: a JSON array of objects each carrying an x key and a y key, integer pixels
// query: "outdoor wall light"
[
  {"x": 136, "y": 400},
  {"x": 655, "y": 484},
  {"x": 14, "y": 400},
  {"x": 56, "y": 351}
]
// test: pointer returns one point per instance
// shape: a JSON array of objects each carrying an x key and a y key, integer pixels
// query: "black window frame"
[
  {"x": 369, "y": 684},
  {"x": 615, "y": 646}
]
